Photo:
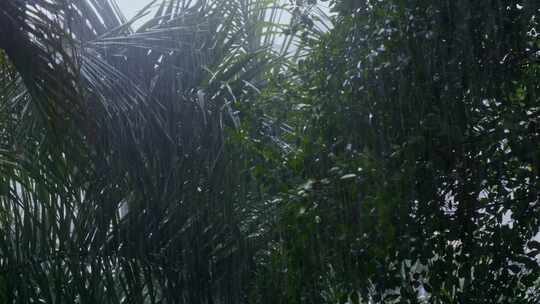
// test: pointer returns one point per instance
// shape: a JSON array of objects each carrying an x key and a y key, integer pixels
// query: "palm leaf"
[{"x": 117, "y": 185}]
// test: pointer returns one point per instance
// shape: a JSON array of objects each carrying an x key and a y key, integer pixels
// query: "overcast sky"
[{"x": 130, "y": 7}]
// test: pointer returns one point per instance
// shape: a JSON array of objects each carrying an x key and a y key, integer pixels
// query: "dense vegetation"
[{"x": 212, "y": 153}]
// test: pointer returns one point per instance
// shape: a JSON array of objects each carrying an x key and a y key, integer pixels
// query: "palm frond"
[{"x": 122, "y": 189}]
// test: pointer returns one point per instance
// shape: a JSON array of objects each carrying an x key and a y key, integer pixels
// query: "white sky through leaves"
[{"x": 130, "y": 7}]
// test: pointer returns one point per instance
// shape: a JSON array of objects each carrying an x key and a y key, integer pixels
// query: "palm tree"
[{"x": 117, "y": 184}]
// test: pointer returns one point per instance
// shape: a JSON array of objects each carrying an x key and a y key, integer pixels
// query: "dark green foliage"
[
  {"x": 394, "y": 159},
  {"x": 415, "y": 164},
  {"x": 116, "y": 185}
]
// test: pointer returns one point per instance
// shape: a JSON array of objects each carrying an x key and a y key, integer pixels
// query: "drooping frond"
[{"x": 119, "y": 187}]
